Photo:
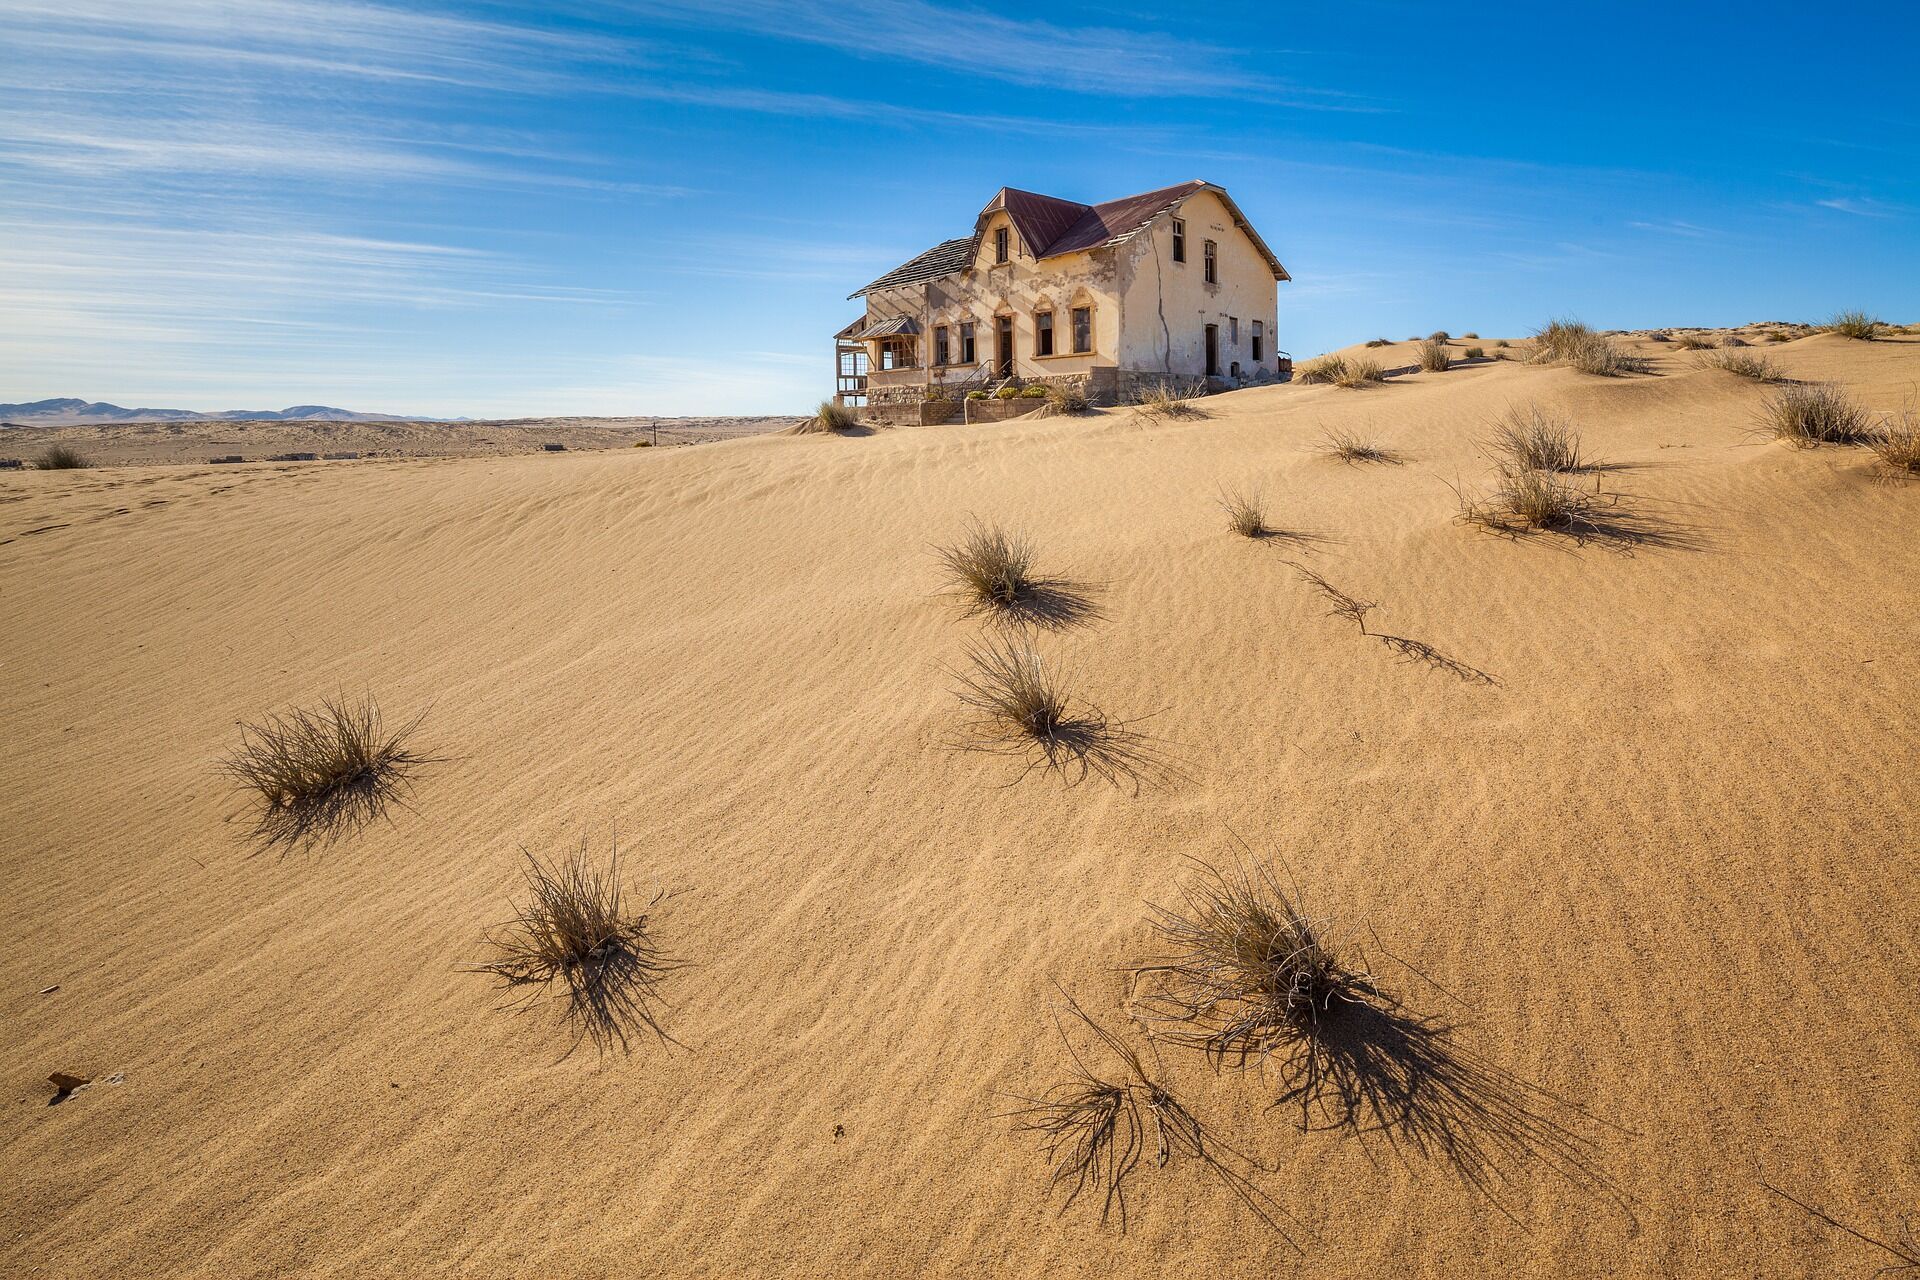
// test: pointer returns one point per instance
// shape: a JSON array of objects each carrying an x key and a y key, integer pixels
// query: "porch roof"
[{"x": 891, "y": 327}]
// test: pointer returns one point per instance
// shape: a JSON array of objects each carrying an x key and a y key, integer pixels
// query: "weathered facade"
[{"x": 1173, "y": 284}]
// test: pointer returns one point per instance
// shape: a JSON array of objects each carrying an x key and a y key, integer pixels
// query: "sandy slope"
[
  {"x": 1666, "y": 865},
  {"x": 147, "y": 443}
]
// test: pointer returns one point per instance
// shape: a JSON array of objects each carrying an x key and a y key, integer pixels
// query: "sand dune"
[
  {"x": 149, "y": 443},
  {"x": 1664, "y": 867}
]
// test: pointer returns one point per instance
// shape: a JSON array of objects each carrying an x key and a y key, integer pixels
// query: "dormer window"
[
  {"x": 1000, "y": 245},
  {"x": 1211, "y": 252},
  {"x": 1179, "y": 240}
]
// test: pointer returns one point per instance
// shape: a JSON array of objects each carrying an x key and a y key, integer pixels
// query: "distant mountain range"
[{"x": 69, "y": 412}]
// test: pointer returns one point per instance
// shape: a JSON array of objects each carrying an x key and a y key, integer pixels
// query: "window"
[
  {"x": 1233, "y": 331},
  {"x": 1259, "y": 342},
  {"x": 940, "y": 344},
  {"x": 966, "y": 343},
  {"x": 1179, "y": 240},
  {"x": 1083, "y": 329},
  {"x": 1211, "y": 252},
  {"x": 897, "y": 353},
  {"x": 1043, "y": 333},
  {"x": 1000, "y": 245}
]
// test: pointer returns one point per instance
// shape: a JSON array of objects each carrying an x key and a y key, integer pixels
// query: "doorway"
[
  {"x": 1003, "y": 345},
  {"x": 1213, "y": 351}
]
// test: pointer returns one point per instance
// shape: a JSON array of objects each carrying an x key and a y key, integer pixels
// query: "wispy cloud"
[
  {"x": 1024, "y": 51},
  {"x": 1862, "y": 207}
]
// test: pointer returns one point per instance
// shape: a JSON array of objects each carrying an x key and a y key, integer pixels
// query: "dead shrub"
[
  {"x": 1438, "y": 335},
  {"x": 1815, "y": 413},
  {"x": 1342, "y": 371},
  {"x": 1021, "y": 709},
  {"x": 991, "y": 569},
  {"x": 1434, "y": 356},
  {"x": 1246, "y": 512},
  {"x": 62, "y": 457},
  {"x": 1350, "y": 449},
  {"x": 1476, "y": 353},
  {"x": 575, "y": 930},
  {"x": 1535, "y": 438},
  {"x": 1469, "y": 337},
  {"x": 1380, "y": 342},
  {"x": 1694, "y": 342},
  {"x": 323, "y": 772}
]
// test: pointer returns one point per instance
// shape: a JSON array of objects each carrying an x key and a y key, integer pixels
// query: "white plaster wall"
[{"x": 1149, "y": 277}]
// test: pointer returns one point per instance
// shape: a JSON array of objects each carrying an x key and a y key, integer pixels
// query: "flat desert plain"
[{"x": 1637, "y": 860}]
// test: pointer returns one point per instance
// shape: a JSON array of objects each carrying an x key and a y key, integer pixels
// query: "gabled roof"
[
  {"x": 1050, "y": 227},
  {"x": 943, "y": 259}
]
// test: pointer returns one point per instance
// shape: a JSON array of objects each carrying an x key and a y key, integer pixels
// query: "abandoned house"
[{"x": 1173, "y": 284}]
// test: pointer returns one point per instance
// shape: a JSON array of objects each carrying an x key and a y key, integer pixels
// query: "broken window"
[
  {"x": 1211, "y": 252},
  {"x": 1000, "y": 245},
  {"x": 1233, "y": 331},
  {"x": 1083, "y": 329},
  {"x": 1259, "y": 342},
  {"x": 1179, "y": 240},
  {"x": 897, "y": 353},
  {"x": 940, "y": 344},
  {"x": 966, "y": 343},
  {"x": 1043, "y": 333}
]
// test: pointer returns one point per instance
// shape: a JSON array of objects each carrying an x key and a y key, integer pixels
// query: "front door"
[
  {"x": 1213, "y": 351},
  {"x": 1003, "y": 345}
]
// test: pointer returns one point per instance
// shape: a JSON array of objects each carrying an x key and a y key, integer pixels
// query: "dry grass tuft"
[
  {"x": 324, "y": 772},
  {"x": 1342, "y": 371},
  {"x": 1815, "y": 413},
  {"x": 1434, "y": 356},
  {"x": 1524, "y": 499},
  {"x": 1248, "y": 975},
  {"x": 1246, "y": 512},
  {"x": 1476, "y": 353},
  {"x": 1170, "y": 399},
  {"x": 1694, "y": 342},
  {"x": 1438, "y": 335},
  {"x": 1380, "y": 342},
  {"x": 575, "y": 930},
  {"x": 831, "y": 418},
  {"x": 1062, "y": 400},
  {"x": 1896, "y": 442},
  {"x": 1744, "y": 364},
  {"x": 1096, "y": 1128},
  {"x": 62, "y": 457},
  {"x": 1853, "y": 324},
  {"x": 1350, "y": 449},
  {"x": 1536, "y": 439},
  {"x": 1571, "y": 343},
  {"x": 1022, "y": 709},
  {"x": 992, "y": 570}
]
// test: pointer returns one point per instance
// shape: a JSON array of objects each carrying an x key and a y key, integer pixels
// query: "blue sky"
[{"x": 642, "y": 206}]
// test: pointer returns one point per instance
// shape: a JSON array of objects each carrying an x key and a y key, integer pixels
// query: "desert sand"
[
  {"x": 186, "y": 442},
  {"x": 1664, "y": 868}
]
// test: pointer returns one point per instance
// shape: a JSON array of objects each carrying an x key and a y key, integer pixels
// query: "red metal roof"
[{"x": 1050, "y": 226}]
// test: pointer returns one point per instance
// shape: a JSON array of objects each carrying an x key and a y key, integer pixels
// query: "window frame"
[
  {"x": 1258, "y": 337},
  {"x": 1002, "y": 246},
  {"x": 1233, "y": 331},
  {"x": 1180, "y": 240},
  {"x": 1043, "y": 344},
  {"x": 966, "y": 342},
  {"x": 940, "y": 349},
  {"x": 1079, "y": 330},
  {"x": 1210, "y": 252}
]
